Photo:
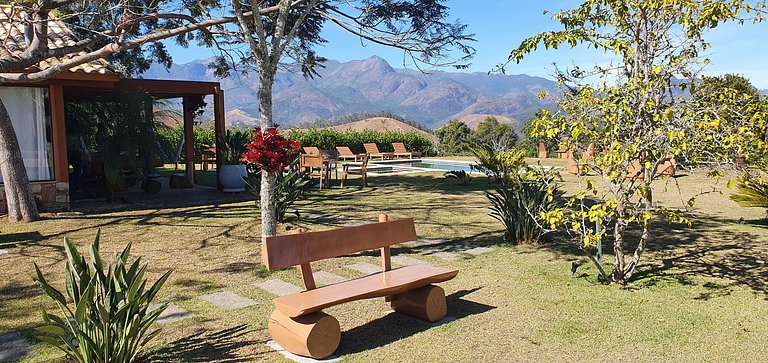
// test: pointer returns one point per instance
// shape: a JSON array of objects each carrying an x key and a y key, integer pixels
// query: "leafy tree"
[
  {"x": 637, "y": 115},
  {"x": 530, "y": 142},
  {"x": 452, "y": 138},
  {"x": 496, "y": 135},
  {"x": 418, "y": 27}
]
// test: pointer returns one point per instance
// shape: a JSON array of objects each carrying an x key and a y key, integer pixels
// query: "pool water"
[{"x": 441, "y": 166}]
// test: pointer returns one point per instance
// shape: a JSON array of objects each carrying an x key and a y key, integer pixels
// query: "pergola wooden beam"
[
  {"x": 189, "y": 139},
  {"x": 219, "y": 130}
]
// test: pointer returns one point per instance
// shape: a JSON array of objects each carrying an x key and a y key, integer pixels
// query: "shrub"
[
  {"x": 752, "y": 191},
  {"x": 107, "y": 318},
  {"x": 328, "y": 139},
  {"x": 521, "y": 192},
  {"x": 453, "y": 137},
  {"x": 233, "y": 145},
  {"x": 291, "y": 185}
]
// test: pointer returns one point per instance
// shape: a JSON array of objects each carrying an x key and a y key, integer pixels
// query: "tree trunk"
[
  {"x": 18, "y": 194},
  {"x": 618, "y": 251},
  {"x": 268, "y": 203}
]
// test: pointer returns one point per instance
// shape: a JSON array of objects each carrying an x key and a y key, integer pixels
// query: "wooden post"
[
  {"x": 189, "y": 139},
  {"x": 60, "y": 162},
  {"x": 219, "y": 129},
  {"x": 386, "y": 256}
]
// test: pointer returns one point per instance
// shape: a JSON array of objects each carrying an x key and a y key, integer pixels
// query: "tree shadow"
[
  {"x": 395, "y": 326},
  {"x": 10, "y": 240},
  {"x": 219, "y": 346}
]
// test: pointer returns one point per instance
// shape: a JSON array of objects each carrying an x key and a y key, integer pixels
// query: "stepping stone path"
[
  {"x": 171, "y": 314},
  {"x": 478, "y": 250},
  {"x": 427, "y": 242},
  {"x": 327, "y": 278},
  {"x": 407, "y": 261},
  {"x": 279, "y": 287},
  {"x": 13, "y": 347},
  {"x": 297, "y": 358},
  {"x": 228, "y": 300},
  {"x": 4, "y": 252},
  {"x": 448, "y": 256},
  {"x": 366, "y": 268}
]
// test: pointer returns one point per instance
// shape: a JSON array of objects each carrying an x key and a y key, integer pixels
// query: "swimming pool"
[{"x": 418, "y": 166}]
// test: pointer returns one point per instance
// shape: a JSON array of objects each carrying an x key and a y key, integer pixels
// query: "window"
[{"x": 29, "y": 109}]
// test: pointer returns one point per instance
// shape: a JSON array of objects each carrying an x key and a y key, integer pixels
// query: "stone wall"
[{"x": 54, "y": 196}]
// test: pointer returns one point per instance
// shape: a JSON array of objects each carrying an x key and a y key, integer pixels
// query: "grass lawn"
[{"x": 701, "y": 293}]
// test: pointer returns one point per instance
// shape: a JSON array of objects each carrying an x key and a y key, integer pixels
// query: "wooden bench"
[{"x": 298, "y": 323}]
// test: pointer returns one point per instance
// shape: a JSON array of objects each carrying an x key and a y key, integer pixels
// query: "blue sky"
[{"x": 500, "y": 25}]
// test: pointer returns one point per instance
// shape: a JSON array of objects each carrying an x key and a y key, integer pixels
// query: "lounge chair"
[
  {"x": 373, "y": 151},
  {"x": 400, "y": 150},
  {"x": 311, "y": 150},
  {"x": 362, "y": 172},
  {"x": 345, "y": 153}
]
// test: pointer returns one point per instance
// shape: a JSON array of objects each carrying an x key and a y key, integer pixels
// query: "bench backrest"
[
  {"x": 399, "y": 147},
  {"x": 371, "y": 148},
  {"x": 299, "y": 249}
]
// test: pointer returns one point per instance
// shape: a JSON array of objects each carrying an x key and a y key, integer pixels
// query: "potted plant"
[{"x": 232, "y": 146}]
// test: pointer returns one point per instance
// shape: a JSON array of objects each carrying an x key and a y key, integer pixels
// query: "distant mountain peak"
[{"x": 372, "y": 85}]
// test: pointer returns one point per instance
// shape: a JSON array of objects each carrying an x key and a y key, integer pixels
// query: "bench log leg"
[
  {"x": 315, "y": 335},
  {"x": 426, "y": 303}
]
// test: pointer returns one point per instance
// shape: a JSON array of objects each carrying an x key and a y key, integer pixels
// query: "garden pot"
[{"x": 231, "y": 178}]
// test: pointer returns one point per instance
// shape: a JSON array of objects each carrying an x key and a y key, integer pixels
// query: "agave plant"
[{"x": 105, "y": 313}]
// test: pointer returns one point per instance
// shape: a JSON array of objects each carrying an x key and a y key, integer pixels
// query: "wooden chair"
[
  {"x": 373, "y": 151},
  {"x": 362, "y": 172},
  {"x": 562, "y": 152},
  {"x": 298, "y": 322},
  {"x": 315, "y": 166},
  {"x": 400, "y": 150},
  {"x": 311, "y": 150},
  {"x": 207, "y": 155},
  {"x": 345, "y": 153}
]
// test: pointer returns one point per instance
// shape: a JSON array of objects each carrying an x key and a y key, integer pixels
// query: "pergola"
[{"x": 103, "y": 86}]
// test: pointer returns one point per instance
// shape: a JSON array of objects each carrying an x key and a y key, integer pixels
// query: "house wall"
[{"x": 52, "y": 195}]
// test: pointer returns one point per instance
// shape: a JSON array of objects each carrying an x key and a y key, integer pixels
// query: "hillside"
[
  {"x": 372, "y": 85},
  {"x": 380, "y": 124},
  {"x": 474, "y": 120}
]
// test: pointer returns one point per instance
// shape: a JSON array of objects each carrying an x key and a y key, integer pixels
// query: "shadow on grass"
[
  {"x": 393, "y": 327},
  {"x": 10, "y": 240},
  {"x": 219, "y": 346}
]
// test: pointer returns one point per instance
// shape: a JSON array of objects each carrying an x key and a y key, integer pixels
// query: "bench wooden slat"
[
  {"x": 381, "y": 284},
  {"x": 296, "y": 249}
]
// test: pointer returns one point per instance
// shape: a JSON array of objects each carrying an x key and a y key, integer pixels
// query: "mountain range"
[{"x": 372, "y": 85}]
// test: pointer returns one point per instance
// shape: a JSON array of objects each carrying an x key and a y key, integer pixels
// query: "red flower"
[{"x": 270, "y": 150}]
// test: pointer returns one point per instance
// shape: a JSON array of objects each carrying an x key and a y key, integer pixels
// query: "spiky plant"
[
  {"x": 753, "y": 191},
  {"x": 106, "y": 316}
]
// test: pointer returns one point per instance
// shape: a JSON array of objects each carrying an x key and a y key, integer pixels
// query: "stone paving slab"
[
  {"x": 13, "y": 347},
  {"x": 326, "y": 278},
  {"x": 279, "y": 287},
  {"x": 364, "y": 267},
  {"x": 448, "y": 256},
  {"x": 297, "y": 358},
  {"x": 3, "y": 252},
  {"x": 477, "y": 251},
  {"x": 171, "y": 314},
  {"x": 407, "y": 261},
  {"x": 428, "y": 242},
  {"x": 228, "y": 300}
]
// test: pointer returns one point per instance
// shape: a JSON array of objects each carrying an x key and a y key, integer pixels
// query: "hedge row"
[
  {"x": 170, "y": 138},
  {"x": 328, "y": 139}
]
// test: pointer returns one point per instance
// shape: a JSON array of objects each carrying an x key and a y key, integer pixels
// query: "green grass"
[{"x": 701, "y": 293}]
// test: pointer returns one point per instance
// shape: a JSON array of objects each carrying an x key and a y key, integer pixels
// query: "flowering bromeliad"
[{"x": 270, "y": 150}]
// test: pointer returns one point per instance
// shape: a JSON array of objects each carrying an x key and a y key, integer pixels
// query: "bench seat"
[{"x": 380, "y": 284}]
